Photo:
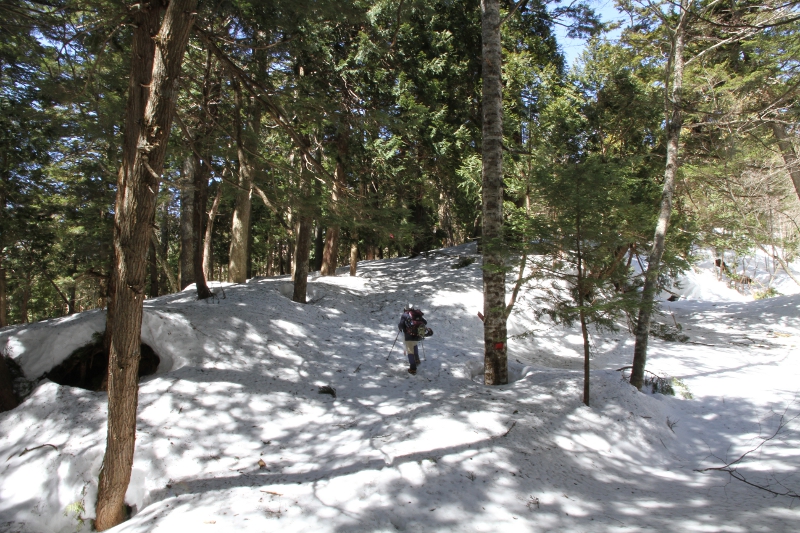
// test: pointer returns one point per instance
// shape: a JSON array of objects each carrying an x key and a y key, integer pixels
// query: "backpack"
[{"x": 414, "y": 324}]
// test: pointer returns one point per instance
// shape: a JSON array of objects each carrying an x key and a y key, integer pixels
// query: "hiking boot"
[
  {"x": 417, "y": 361},
  {"x": 412, "y": 371}
]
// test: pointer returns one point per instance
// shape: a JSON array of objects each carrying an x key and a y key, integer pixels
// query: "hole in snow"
[{"x": 87, "y": 367}]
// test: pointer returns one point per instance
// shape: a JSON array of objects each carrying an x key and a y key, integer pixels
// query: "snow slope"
[{"x": 438, "y": 451}]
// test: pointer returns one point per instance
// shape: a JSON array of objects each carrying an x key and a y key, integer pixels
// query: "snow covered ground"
[{"x": 238, "y": 388}]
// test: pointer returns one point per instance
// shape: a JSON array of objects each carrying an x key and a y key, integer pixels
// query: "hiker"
[{"x": 412, "y": 324}]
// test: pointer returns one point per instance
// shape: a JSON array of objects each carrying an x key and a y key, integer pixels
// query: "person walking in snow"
[{"x": 412, "y": 324}]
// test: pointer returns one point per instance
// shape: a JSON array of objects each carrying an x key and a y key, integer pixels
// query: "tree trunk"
[
  {"x": 301, "y": 254},
  {"x": 189, "y": 178},
  {"x": 240, "y": 227},
  {"x": 208, "y": 257},
  {"x": 8, "y": 399},
  {"x": 198, "y": 212},
  {"x": 25, "y": 299},
  {"x": 319, "y": 246},
  {"x": 330, "y": 255},
  {"x": 3, "y": 296},
  {"x": 161, "y": 259},
  {"x": 162, "y": 250},
  {"x": 153, "y": 262},
  {"x": 494, "y": 283},
  {"x": 156, "y": 64},
  {"x": 353, "y": 255},
  {"x": 674, "y": 119},
  {"x": 789, "y": 155}
]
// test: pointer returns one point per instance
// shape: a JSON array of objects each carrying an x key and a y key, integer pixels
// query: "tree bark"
[
  {"x": 240, "y": 227},
  {"x": 674, "y": 119},
  {"x": 354, "y": 255},
  {"x": 789, "y": 155},
  {"x": 301, "y": 254},
  {"x": 330, "y": 254},
  {"x": 3, "y": 296},
  {"x": 186, "y": 272},
  {"x": 212, "y": 215},
  {"x": 8, "y": 399},
  {"x": 319, "y": 246},
  {"x": 153, "y": 262},
  {"x": 137, "y": 187},
  {"x": 211, "y": 93},
  {"x": 493, "y": 243}
]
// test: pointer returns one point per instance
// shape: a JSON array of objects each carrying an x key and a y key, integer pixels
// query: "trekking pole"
[
  {"x": 424, "y": 357},
  {"x": 395, "y": 342}
]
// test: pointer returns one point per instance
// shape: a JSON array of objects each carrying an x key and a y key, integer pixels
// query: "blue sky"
[{"x": 572, "y": 48}]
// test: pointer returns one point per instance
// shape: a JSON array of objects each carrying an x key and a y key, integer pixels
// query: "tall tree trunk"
[
  {"x": 162, "y": 250},
  {"x": 240, "y": 227},
  {"x": 8, "y": 399},
  {"x": 319, "y": 246},
  {"x": 494, "y": 277},
  {"x": 674, "y": 118},
  {"x": 789, "y": 155},
  {"x": 330, "y": 254},
  {"x": 354, "y": 255},
  {"x": 305, "y": 220},
  {"x": 199, "y": 215},
  {"x": 208, "y": 257},
  {"x": 25, "y": 299},
  {"x": 186, "y": 262},
  {"x": 153, "y": 262},
  {"x": 137, "y": 188},
  {"x": 3, "y": 296},
  {"x": 301, "y": 254}
]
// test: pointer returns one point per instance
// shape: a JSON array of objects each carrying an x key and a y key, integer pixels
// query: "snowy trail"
[{"x": 434, "y": 452}]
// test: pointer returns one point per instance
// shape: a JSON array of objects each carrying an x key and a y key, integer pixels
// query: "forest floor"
[{"x": 234, "y": 434}]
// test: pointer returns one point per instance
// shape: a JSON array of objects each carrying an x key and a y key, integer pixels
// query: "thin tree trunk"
[
  {"x": 3, "y": 296},
  {"x": 494, "y": 285},
  {"x": 26, "y": 296},
  {"x": 186, "y": 261},
  {"x": 319, "y": 246},
  {"x": 789, "y": 154},
  {"x": 240, "y": 227},
  {"x": 137, "y": 188},
  {"x": 8, "y": 399},
  {"x": 211, "y": 93},
  {"x": 162, "y": 249},
  {"x": 153, "y": 262},
  {"x": 353, "y": 255},
  {"x": 208, "y": 257},
  {"x": 301, "y": 254},
  {"x": 674, "y": 111},
  {"x": 330, "y": 254},
  {"x": 581, "y": 293},
  {"x": 162, "y": 262},
  {"x": 198, "y": 212}
]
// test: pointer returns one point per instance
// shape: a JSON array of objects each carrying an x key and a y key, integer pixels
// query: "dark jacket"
[{"x": 406, "y": 321}]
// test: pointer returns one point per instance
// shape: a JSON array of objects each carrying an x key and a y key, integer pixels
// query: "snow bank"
[{"x": 233, "y": 434}]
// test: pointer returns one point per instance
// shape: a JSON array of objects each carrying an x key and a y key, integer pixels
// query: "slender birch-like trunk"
[
  {"x": 156, "y": 65},
  {"x": 493, "y": 244},
  {"x": 674, "y": 119}
]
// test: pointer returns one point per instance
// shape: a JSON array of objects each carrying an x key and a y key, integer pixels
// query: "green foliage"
[{"x": 769, "y": 292}]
